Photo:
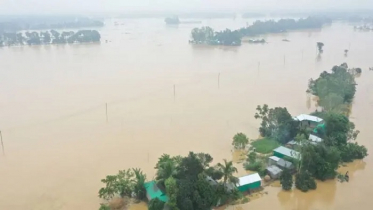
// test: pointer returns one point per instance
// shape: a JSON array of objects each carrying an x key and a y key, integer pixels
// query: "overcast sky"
[{"x": 74, "y": 6}]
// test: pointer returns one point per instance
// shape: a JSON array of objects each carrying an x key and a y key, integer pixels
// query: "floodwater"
[{"x": 162, "y": 96}]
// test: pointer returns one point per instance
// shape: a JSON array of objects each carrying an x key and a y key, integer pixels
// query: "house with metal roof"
[
  {"x": 152, "y": 191},
  {"x": 283, "y": 164},
  {"x": 282, "y": 152},
  {"x": 315, "y": 139},
  {"x": 249, "y": 182},
  {"x": 308, "y": 120},
  {"x": 274, "y": 172}
]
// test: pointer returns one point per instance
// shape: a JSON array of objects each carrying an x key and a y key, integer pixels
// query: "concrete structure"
[
  {"x": 249, "y": 182},
  {"x": 282, "y": 152},
  {"x": 274, "y": 172}
]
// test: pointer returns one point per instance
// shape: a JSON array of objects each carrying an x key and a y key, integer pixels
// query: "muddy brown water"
[{"x": 58, "y": 144}]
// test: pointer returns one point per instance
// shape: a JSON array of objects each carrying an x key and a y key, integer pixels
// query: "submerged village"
[
  {"x": 296, "y": 150},
  {"x": 292, "y": 150}
]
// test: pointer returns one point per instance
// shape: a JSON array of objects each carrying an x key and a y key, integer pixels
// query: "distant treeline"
[
  {"x": 52, "y": 37},
  {"x": 207, "y": 35},
  {"x": 18, "y": 23}
]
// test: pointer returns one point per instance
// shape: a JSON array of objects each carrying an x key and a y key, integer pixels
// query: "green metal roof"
[
  {"x": 154, "y": 192},
  {"x": 287, "y": 152}
]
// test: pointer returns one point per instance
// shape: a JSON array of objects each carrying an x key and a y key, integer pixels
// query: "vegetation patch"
[{"x": 265, "y": 145}]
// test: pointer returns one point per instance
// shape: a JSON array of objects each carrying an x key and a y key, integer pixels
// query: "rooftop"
[
  {"x": 274, "y": 170},
  {"x": 154, "y": 192},
  {"x": 274, "y": 158},
  {"x": 288, "y": 152},
  {"x": 314, "y": 138},
  {"x": 285, "y": 164},
  {"x": 249, "y": 179},
  {"x": 307, "y": 117}
]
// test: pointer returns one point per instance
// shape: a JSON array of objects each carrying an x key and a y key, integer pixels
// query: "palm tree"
[
  {"x": 166, "y": 169},
  {"x": 140, "y": 179},
  {"x": 228, "y": 170}
]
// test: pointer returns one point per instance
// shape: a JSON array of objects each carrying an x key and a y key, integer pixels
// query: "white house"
[
  {"x": 315, "y": 139},
  {"x": 308, "y": 120}
]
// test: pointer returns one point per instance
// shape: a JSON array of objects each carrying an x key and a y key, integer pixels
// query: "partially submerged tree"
[
  {"x": 240, "y": 141},
  {"x": 277, "y": 123},
  {"x": 304, "y": 181},
  {"x": 286, "y": 180},
  {"x": 320, "y": 46},
  {"x": 121, "y": 184}
]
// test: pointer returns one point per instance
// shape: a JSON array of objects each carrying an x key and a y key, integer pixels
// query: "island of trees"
[
  {"x": 193, "y": 183},
  {"x": 190, "y": 183},
  {"x": 49, "y": 37},
  {"x": 207, "y": 35},
  {"x": 15, "y": 23},
  {"x": 336, "y": 134}
]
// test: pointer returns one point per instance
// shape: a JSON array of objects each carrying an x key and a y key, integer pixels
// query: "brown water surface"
[{"x": 59, "y": 144}]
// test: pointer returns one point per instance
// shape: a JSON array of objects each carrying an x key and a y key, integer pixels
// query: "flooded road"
[{"x": 162, "y": 96}]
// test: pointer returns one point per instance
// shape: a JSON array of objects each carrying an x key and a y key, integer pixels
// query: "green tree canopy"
[
  {"x": 240, "y": 141},
  {"x": 277, "y": 123}
]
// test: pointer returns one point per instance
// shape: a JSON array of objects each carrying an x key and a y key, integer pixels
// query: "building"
[
  {"x": 315, "y": 139},
  {"x": 282, "y": 152},
  {"x": 308, "y": 120},
  {"x": 152, "y": 191},
  {"x": 274, "y": 172},
  {"x": 273, "y": 160},
  {"x": 283, "y": 164},
  {"x": 249, "y": 182}
]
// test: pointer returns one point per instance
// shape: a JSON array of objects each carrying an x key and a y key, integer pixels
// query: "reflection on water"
[{"x": 59, "y": 144}]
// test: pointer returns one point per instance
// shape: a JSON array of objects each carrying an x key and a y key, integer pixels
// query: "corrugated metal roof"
[
  {"x": 315, "y": 138},
  {"x": 308, "y": 117},
  {"x": 154, "y": 192},
  {"x": 274, "y": 170},
  {"x": 249, "y": 179},
  {"x": 285, "y": 164},
  {"x": 287, "y": 152},
  {"x": 274, "y": 158}
]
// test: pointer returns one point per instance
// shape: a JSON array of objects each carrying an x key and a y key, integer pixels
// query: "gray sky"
[{"x": 74, "y": 6}]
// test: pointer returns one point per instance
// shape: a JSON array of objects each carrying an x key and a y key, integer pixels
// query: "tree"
[
  {"x": 337, "y": 129},
  {"x": 286, "y": 180},
  {"x": 304, "y": 181},
  {"x": 165, "y": 170},
  {"x": 228, "y": 170},
  {"x": 172, "y": 191},
  {"x": 251, "y": 157},
  {"x": 353, "y": 151},
  {"x": 120, "y": 184},
  {"x": 346, "y": 51},
  {"x": 104, "y": 207},
  {"x": 190, "y": 167},
  {"x": 320, "y": 45},
  {"x": 320, "y": 161},
  {"x": 139, "y": 188},
  {"x": 277, "y": 123},
  {"x": 155, "y": 204},
  {"x": 240, "y": 141}
]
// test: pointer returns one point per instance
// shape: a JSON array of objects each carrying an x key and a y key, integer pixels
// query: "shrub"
[{"x": 155, "y": 204}]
